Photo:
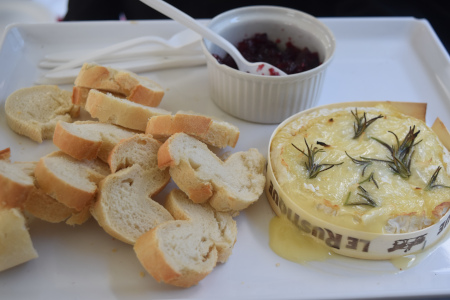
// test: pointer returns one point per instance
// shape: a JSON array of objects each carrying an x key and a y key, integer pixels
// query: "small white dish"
[{"x": 267, "y": 99}]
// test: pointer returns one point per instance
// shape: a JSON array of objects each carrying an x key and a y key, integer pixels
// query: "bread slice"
[
  {"x": 218, "y": 226},
  {"x": 80, "y": 94},
  {"x": 135, "y": 88},
  {"x": 15, "y": 242},
  {"x": 184, "y": 251},
  {"x": 88, "y": 139},
  {"x": 48, "y": 209},
  {"x": 230, "y": 185},
  {"x": 139, "y": 149},
  {"x": 210, "y": 131},
  {"x": 34, "y": 111},
  {"x": 124, "y": 207},
  {"x": 16, "y": 182},
  {"x": 70, "y": 181},
  {"x": 110, "y": 109}
]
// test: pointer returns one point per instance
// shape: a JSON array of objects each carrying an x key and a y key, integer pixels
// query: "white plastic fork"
[
  {"x": 67, "y": 76},
  {"x": 121, "y": 56},
  {"x": 181, "y": 39}
]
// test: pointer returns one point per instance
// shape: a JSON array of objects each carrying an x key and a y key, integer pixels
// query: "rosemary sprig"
[
  {"x": 431, "y": 183},
  {"x": 401, "y": 154},
  {"x": 363, "y": 162},
  {"x": 366, "y": 198},
  {"x": 361, "y": 123},
  {"x": 370, "y": 178},
  {"x": 311, "y": 165}
]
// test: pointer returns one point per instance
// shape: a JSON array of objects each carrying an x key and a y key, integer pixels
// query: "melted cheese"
[{"x": 402, "y": 204}]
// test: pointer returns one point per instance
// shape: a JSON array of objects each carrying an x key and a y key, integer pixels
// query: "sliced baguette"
[
  {"x": 16, "y": 246},
  {"x": 16, "y": 182},
  {"x": 80, "y": 94},
  {"x": 218, "y": 226},
  {"x": 124, "y": 208},
  {"x": 110, "y": 109},
  {"x": 184, "y": 251},
  {"x": 139, "y": 149},
  {"x": 88, "y": 139},
  {"x": 34, "y": 111},
  {"x": 70, "y": 181},
  {"x": 48, "y": 209},
  {"x": 210, "y": 131},
  {"x": 230, "y": 185},
  {"x": 135, "y": 88}
]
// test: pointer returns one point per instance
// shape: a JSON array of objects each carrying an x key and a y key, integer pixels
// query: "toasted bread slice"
[
  {"x": 70, "y": 181},
  {"x": 34, "y": 111},
  {"x": 48, "y": 209},
  {"x": 139, "y": 149},
  {"x": 230, "y": 185},
  {"x": 111, "y": 109},
  {"x": 184, "y": 251},
  {"x": 210, "y": 131},
  {"x": 16, "y": 182},
  {"x": 135, "y": 88},
  {"x": 88, "y": 139},
  {"x": 15, "y": 242},
  {"x": 124, "y": 207}
]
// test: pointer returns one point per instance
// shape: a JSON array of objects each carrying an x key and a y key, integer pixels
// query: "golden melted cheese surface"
[{"x": 402, "y": 205}]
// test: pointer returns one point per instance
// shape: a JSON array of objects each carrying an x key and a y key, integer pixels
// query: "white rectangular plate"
[{"x": 398, "y": 59}]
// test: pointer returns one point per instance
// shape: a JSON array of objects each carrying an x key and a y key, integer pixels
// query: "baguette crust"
[
  {"x": 16, "y": 182},
  {"x": 212, "y": 132},
  {"x": 46, "y": 208},
  {"x": 76, "y": 146},
  {"x": 110, "y": 109},
  {"x": 88, "y": 139},
  {"x": 184, "y": 251},
  {"x": 69, "y": 181},
  {"x": 158, "y": 265},
  {"x": 135, "y": 88}
]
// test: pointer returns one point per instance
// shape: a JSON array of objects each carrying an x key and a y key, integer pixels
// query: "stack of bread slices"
[{"x": 113, "y": 166}]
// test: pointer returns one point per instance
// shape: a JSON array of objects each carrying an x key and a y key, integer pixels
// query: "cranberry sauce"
[{"x": 260, "y": 49}]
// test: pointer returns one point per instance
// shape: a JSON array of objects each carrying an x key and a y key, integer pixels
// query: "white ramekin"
[{"x": 267, "y": 99}]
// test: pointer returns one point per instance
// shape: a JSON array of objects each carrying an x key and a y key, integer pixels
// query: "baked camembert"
[{"x": 370, "y": 169}]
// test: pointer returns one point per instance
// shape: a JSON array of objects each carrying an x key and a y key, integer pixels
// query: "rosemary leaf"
[
  {"x": 365, "y": 197},
  {"x": 361, "y": 123},
  {"x": 401, "y": 154},
  {"x": 370, "y": 178},
  {"x": 311, "y": 165},
  {"x": 364, "y": 162},
  {"x": 431, "y": 183}
]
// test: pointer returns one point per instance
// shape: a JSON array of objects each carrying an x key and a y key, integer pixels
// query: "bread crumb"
[
  {"x": 277, "y": 264},
  {"x": 142, "y": 274},
  {"x": 114, "y": 250}
]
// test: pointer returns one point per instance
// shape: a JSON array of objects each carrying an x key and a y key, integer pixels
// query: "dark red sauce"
[{"x": 257, "y": 48}]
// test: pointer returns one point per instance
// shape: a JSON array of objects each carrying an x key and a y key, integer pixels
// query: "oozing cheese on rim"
[{"x": 401, "y": 205}]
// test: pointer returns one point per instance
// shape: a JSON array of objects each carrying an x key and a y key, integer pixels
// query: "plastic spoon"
[{"x": 259, "y": 68}]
